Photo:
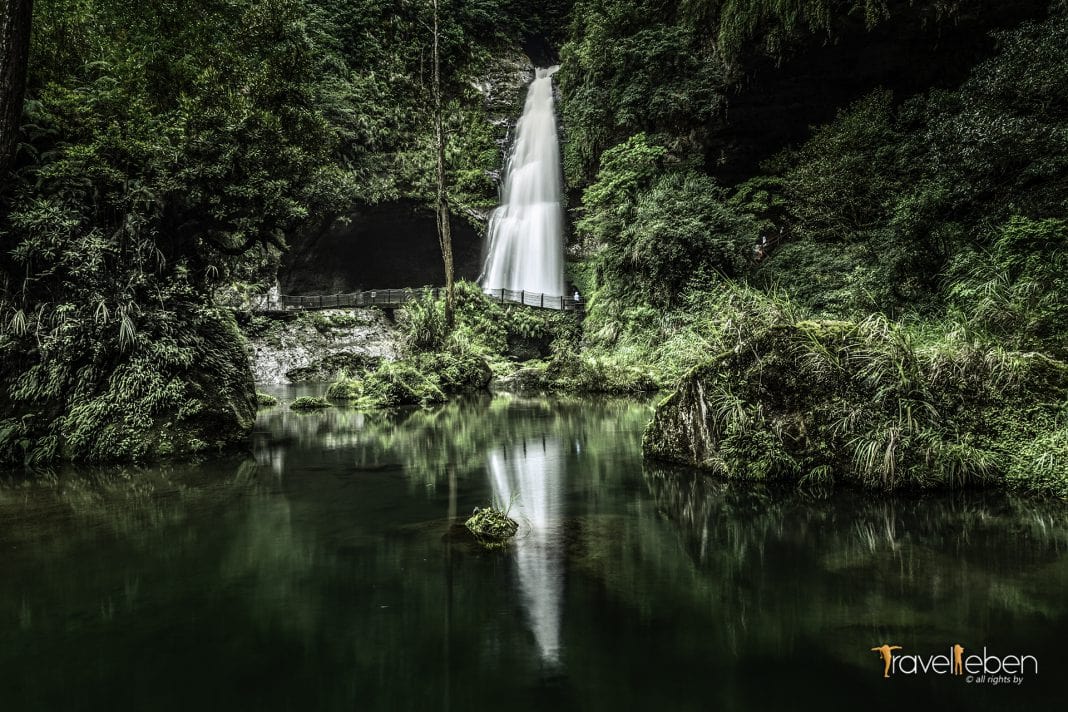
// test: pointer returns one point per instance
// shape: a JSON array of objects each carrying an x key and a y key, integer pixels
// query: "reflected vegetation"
[{"x": 324, "y": 572}]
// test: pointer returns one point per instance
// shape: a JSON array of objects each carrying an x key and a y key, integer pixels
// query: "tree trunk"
[
  {"x": 15, "y": 16},
  {"x": 444, "y": 230}
]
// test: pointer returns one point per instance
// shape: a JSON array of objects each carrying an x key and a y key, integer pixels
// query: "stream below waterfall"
[{"x": 324, "y": 573}]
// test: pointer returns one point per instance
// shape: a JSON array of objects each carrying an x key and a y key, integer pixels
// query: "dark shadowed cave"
[
  {"x": 389, "y": 245},
  {"x": 779, "y": 101}
]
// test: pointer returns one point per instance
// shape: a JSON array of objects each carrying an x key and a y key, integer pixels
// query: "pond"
[{"x": 328, "y": 571}]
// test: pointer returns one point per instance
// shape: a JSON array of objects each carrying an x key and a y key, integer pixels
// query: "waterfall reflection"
[{"x": 528, "y": 476}]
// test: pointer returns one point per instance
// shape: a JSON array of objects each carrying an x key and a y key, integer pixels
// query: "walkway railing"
[{"x": 394, "y": 298}]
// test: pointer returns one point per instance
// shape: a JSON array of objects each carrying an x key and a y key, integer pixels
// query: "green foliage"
[
  {"x": 622, "y": 74},
  {"x": 649, "y": 234},
  {"x": 666, "y": 66},
  {"x": 681, "y": 230},
  {"x": 492, "y": 527},
  {"x": 492, "y": 330},
  {"x": 873, "y": 402},
  {"x": 310, "y": 403},
  {"x": 265, "y": 400},
  {"x": 593, "y": 373},
  {"x": 889, "y": 208},
  {"x": 345, "y": 388},
  {"x": 457, "y": 371},
  {"x": 400, "y": 383},
  {"x": 627, "y": 170},
  {"x": 424, "y": 324},
  {"x": 841, "y": 182},
  {"x": 325, "y": 323},
  {"x": 1016, "y": 291},
  {"x": 776, "y": 24},
  {"x": 423, "y": 378},
  {"x": 81, "y": 385},
  {"x": 1041, "y": 466}
]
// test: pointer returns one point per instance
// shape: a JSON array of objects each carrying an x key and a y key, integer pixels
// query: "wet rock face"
[{"x": 315, "y": 347}]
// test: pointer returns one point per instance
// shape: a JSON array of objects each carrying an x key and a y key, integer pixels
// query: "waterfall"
[
  {"x": 525, "y": 236},
  {"x": 527, "y": 477}
]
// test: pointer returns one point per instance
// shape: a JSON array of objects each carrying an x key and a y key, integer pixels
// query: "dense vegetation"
[
  {"x": 170, "y": 148},
  {"x": 904, "y": 263},
  {"x": 929, "y": 229}
]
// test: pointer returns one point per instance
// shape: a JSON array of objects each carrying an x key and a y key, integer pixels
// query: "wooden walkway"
[{"x": 392, "y": 298}]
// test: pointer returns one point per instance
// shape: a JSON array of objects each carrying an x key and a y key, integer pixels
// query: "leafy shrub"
[
  {"x": 1016, "y": 291},
  {"x": 400, "y": 383},
  {"x": 79, "y": 386},
  {"x": 1041, "y": 466},
  {"x": 424, "y": 323}
]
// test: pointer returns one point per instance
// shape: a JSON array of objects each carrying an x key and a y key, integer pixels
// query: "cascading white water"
[
  {"x": 525, "y": 236},
  {"x": 527, "y": 479}
]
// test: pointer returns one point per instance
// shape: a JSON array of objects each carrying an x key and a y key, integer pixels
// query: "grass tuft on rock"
[
  {"x": 492, "y": 527},
  {"x": 265, "y": 400},
  {"x": 310, "y": 403}
]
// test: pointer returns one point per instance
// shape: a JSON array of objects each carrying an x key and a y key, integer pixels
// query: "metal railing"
[{"x": 391, "y": 298}]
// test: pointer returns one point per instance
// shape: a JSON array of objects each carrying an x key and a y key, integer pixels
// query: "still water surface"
[{"x": 328, "y": 572}]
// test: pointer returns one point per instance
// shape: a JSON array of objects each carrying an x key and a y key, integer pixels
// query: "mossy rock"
[
  {"x": 529, "y": 377},
  {"x": 265, "y": 400},
  {"x": 310, "y": 403},
  {"x": 456, "y": 374},
  {"x": 400, "y": 383},
  {"x": 826, "y": 331},
  {"x": 329, "y": 367},
  {"x": 345, "y": 389},
  {"x": 585, "y": 374},
  {"x": 425, "y": 379},
  {"x": 875, "y": 404},
  {"x": 492, "y": 527}
]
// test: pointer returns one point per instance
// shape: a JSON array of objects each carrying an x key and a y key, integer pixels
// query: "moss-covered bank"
[
  {"x": 422, "y": 379},
  {"x": 180, "y": 387},
  {"x": 873, "y": 403}
]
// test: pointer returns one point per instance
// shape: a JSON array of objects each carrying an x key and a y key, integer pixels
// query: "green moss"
[
  {"x": 265, "y": 400},
  {"x": 328, "y": 322},
  {"x": 331, "y": 366},
  {"x": 310, "y": 403},
  {"x": 181, "y": 385},
  {"x": 422, "y": 379},
  {"x": 580, "y": 373},
  {"x": 456, "y": 374},
  {"x": 492, "y": 527},
  {"x": 873, "y": 403},
  {"x": 527, "y": 377},
  {"x": 345, "y": 389}
]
